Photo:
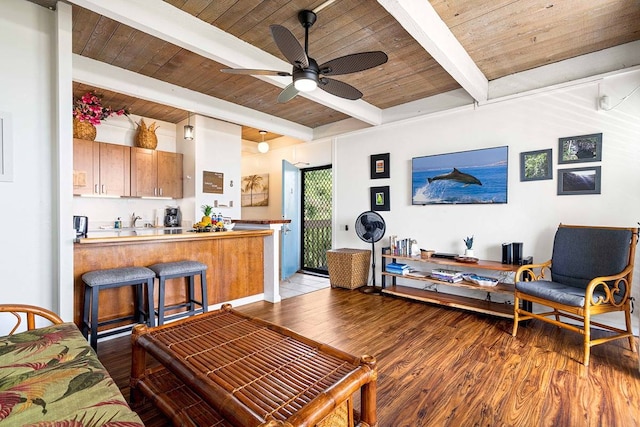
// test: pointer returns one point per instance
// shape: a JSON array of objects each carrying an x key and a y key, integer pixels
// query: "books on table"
[
  {"x": 445, "y": 275},
  {"x": 397, "y": 268}
]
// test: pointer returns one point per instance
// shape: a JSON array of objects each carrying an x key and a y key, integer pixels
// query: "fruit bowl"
[{"x": 229, "y": 227}]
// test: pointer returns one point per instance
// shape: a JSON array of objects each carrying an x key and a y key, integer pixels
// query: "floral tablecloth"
[{"x": 51, "y": 377}]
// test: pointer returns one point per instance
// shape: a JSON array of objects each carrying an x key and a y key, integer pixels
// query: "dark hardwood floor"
[{"x": 447, "y": 367}]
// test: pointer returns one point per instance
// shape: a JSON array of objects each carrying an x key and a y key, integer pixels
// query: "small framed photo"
[
  {"x": 579, "y": 181},
  {"x": 380, "y": 198},
  {"x": 579, "y": 149},
  {"x": 380, "y": 166},
  {"x": 535, "y": 165}
]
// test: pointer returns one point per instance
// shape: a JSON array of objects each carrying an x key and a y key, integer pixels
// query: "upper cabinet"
[
  {"x": 101, "y": 169},
  {"x": 156, "y": 173}
]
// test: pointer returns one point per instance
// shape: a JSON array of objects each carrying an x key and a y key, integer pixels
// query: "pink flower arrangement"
[{"x": 89, "y": 109}]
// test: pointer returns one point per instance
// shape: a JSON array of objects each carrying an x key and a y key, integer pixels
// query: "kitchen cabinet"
[
  {"x": 156, "y": 173},
  {"x": 101, "y": 169}
]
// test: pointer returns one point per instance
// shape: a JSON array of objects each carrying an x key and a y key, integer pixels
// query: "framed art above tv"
[{"x": 464, "y": 177}]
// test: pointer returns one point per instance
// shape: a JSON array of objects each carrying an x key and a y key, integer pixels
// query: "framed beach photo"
[
  {"x": 380, "y": 198},
  {"x": 579, "y": 181},
  {"x": 536, "y": 165},
  {"x": 380, "y": 166},
  {"x": 579, "y": 149}
]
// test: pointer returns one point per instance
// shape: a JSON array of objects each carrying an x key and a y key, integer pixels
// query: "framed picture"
[
  {"x": 535, "y": 165},
  {"x": 578, "y": 149},
  {"x": 255, "y": 190},
  {"x": 579, "y": 181},
  {"x": 466, "y": 177},
  {"x": 380, "y": 198},
  {"x": 380, "y": 166}
]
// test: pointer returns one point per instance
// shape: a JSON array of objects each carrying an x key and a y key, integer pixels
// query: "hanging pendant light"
[
  {"x": 188, "y": 129},
  {"x": 263, "y": 147}
]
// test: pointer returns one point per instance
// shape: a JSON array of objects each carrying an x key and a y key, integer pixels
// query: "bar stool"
[
  {"x": 171, "y": 270},
  {"x": 95, "y": 281}
]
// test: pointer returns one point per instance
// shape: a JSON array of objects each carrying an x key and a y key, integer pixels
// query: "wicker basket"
[
  {"x": 84, "y": 130},
  {"x": 348, "y": 268},
  {"x": 146, "y": 136}
]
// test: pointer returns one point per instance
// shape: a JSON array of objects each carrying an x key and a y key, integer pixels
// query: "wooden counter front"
[{"x": 234, "y": 259}]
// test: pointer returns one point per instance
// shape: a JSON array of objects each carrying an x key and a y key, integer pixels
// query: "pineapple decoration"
[{"x": 205, "y": 221}]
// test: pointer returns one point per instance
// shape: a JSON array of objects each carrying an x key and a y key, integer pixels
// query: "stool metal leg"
[
  {"x": 86, "y": 311},
  {"x": 192, "y": 295},
  {"x": 151, "y": 311},
  {"x": 203, "y": 284},
  {"x": 95, "y": 291}
]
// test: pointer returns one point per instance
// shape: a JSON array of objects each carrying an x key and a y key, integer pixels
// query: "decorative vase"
[
  {"x": 146, "y": 136},
  {"x": 468, "y": 252},
  {"x": 84, "y": 130}
]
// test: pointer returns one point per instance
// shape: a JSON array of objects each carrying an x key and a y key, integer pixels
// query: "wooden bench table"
[{"x": 223, "y": 368}]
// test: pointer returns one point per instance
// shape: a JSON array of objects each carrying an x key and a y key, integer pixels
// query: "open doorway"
[{"x": 316, "y": 210}]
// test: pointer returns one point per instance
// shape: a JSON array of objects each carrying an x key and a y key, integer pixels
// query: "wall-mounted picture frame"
[
  {"x": 255, "y": 190},
  {"x": 380, "y": 198},
  {"x": 466, "y": 177},
  {"x": 380, "y": 166},
  {"x": 536, "y": 165},
  {"x": 579, "y": 181},
  {"x": 580, "y": 149}
]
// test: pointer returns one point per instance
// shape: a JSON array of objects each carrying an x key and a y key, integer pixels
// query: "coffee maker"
[
  {"x": 80, "y": 224},
  {"x": 172, "y": 217}
]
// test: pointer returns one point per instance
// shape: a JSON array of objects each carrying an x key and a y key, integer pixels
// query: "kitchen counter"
[
  {"x": 262, "y": 221},
  {"x": 236, "y": 272},
  {"x": 142, "y": 234}
]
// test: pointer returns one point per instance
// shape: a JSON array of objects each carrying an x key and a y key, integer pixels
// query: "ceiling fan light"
[
  {"x": 263, "y": 147},
  {"x": 305, "y": 84}
]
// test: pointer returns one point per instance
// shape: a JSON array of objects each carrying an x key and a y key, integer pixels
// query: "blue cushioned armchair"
[{"x": 590, "y": 273}]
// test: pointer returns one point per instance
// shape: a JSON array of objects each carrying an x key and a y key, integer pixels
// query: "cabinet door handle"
[
  {"x": 95, "y": 189},
  {"x": 155, "y": 191},
  {"x": 104, "y": 191},
  {"x": 161, "y": 191}
]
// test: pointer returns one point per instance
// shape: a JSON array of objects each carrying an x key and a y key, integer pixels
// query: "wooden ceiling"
[{"x": 501, "y": 37}]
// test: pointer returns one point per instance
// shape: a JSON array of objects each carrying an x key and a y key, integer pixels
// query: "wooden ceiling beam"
[
  {"x": 182, "y": 29},
  {"x": 109, "y": 77},
  {"x": 424, "y": 24}
]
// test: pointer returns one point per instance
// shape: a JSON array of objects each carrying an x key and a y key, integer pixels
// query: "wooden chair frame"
[
  {"x": 31, "y": 311},
  {"x": 609, "y": 285}
]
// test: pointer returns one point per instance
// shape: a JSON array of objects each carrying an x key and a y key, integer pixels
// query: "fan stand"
[{"x": 372, "y": 290}]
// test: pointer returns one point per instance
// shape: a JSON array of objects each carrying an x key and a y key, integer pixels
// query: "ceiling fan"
[{"x": 306, "y": 73}]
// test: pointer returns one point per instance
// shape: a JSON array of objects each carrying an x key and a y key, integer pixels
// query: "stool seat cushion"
[
  {"x": 116, "y": 275},
  {"x": 178, "y": 267}
]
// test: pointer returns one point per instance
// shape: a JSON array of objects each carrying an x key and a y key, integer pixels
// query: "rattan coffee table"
[{"x": 223, "y": 368}]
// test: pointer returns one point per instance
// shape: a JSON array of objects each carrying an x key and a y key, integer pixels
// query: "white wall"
[
  {"x": 533, "y": 211},
  {"x": 317, "y": 153},
  {"x": 27, "y": 92},
  {"x": 218, "y": 147}
]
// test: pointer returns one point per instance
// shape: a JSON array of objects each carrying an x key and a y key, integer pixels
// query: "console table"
[
  {"x": 485, "y": 306},
  {"x": 224, "y": 368}
]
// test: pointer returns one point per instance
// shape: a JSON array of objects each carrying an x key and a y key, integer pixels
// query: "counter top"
[
  {"x": 262, "y": 221},
  {"x": 147, "y": 234}
]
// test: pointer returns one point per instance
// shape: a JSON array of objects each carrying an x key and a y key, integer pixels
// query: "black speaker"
[
  {"x": 517, "y": 253},
  {"x": 506, "y": 253}
]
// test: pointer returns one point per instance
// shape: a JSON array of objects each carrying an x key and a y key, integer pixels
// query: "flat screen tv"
[{"x": 465, "y": 177}]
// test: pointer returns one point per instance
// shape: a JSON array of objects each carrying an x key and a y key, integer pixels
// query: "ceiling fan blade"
[
  {"x": 251, "y": 72},
  {"x": 287, "y": 94},
  {"x": 353, "y": 63},
  {"x": 338, "y": 88},
  {"x": 289, "y": 46}
]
